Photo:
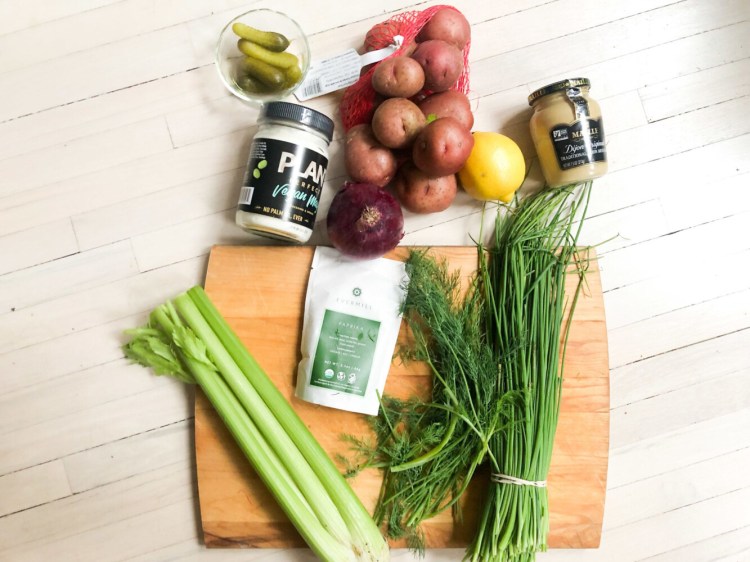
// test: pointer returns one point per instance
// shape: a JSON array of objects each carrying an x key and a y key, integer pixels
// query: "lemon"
[{"x": 495, "y": 168}]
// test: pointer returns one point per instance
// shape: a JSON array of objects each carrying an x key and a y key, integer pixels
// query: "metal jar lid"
[
  {"x": 558, "y": 86},
  {"x": 299, "y": 114}
]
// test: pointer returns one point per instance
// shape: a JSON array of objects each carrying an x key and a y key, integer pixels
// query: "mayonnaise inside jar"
[
  {"x": 285, "y": 172},
  {"x": 568, "y": 132}
]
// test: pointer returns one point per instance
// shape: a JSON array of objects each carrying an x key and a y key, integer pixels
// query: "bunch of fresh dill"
[{"x": 431, "y": 449}]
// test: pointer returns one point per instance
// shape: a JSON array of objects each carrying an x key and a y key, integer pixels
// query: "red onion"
[{"x": 365, "y": 221}]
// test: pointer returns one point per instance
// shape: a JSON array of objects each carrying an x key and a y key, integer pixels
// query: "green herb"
[
  {"x": 495, "y": 358},
  {"x": 432, "y": 449},
  {"x": 189, "y": 340},
  {"x": 534, "y": 250}
]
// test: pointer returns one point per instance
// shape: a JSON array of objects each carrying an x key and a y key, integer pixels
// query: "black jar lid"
[
  {"x": 300, "y": 114},
  {"x": 557, "y": 86}
]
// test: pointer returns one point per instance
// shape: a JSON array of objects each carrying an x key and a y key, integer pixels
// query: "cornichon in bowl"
[
  {"x": 273, "y": 78},
  {"x": 258, "y": 77},
  {"x": 279, "y": 60},
  {"x": 266, "y": 67},
  {"x": 293, "y": 75},
  {"x": 269, "y": 39}
]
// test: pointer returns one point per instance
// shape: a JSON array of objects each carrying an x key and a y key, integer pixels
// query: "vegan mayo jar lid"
[
  {"x": 568, "y": 132},
  {"x": 285, "y": 172}
]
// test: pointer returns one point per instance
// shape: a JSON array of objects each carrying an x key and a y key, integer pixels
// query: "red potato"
[
  {"x": 399, "y": 76},
  {"x": 420, "y": 193},
  {"x": 397, "y": 122},
  {"x": 447, "y": 25},
  {"x": 442, "y": 147},
  {"x": 381, "y": 35},
  {"x": 442, "y": 64},
  {"x": 449, "y": 104},
  {"x": 366, "y": 160},
  {"x": 405, "y": 50}
]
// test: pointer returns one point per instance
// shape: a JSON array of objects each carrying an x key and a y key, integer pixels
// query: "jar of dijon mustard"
[{"x": 568, "y": 132}]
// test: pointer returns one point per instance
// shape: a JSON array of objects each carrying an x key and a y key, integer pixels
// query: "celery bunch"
[{"x": 188, "y": 339}]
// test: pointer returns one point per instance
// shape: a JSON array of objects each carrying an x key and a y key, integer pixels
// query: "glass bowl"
[{"x": 230, "y": 61}]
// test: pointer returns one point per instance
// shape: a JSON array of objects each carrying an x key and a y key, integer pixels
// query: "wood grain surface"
[
  {"x": 261, "y": 292},
  {"x": 121, "y": 164}
]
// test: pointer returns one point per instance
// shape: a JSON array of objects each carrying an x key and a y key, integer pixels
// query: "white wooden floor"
[{"x": 120, "y": 162}]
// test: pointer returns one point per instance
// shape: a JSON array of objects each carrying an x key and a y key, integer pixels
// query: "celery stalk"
[
  {"x": 365, "y": 534},
  {"x": 281, "y": 443},
  {"x": 195, "y": 355}
]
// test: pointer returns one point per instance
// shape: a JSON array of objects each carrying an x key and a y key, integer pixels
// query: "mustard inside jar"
[{"x": 568, "y": 132}]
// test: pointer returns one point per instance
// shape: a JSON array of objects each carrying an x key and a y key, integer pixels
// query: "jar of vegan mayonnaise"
[
  {"x": 285, "y": 172},
  {"x": 568, "y": 132}
]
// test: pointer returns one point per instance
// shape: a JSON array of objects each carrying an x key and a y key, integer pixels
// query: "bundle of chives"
[{"x": 524, "y": 277}]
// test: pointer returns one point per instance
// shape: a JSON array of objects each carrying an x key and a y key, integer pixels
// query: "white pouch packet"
[{"x": 352, "y": 320}]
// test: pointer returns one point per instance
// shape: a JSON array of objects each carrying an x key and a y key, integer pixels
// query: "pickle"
[
  {"x": 293, "y": 74},
  {"x": 279, "y": 60},
  {"x": 271, "y": 40},
  {"x": 268, "y": 75},
  {"x": 252, "y": 85}
]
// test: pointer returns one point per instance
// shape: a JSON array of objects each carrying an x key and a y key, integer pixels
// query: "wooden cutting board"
[{"x": 261, "y": 293}]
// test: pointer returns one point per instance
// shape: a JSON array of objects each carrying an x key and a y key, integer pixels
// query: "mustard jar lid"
[{"x": 558, "y": 86}]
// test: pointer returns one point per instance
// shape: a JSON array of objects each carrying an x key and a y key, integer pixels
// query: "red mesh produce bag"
[{"x": 359, "y": 100}]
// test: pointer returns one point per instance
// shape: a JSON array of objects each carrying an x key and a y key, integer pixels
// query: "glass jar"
[
  {"x": 285, "y": 172},
  {"x": 568, "y": 132}
]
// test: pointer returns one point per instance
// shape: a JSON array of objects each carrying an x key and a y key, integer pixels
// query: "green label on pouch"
[{"x": 343, "y": 358}]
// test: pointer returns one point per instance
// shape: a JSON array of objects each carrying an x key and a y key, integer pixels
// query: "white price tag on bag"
[
  {"x": 340, "y": 71},
  {"x": 330, "y": 75}
]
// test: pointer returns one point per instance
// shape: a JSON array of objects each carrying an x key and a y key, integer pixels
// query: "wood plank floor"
[{"x": 120, "y": 161}]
